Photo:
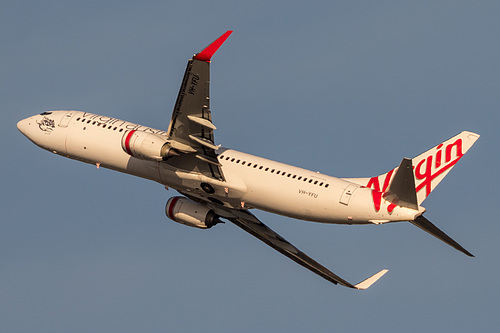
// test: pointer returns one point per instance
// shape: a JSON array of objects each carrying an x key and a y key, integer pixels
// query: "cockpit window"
[{"x": 45, "y": 113}]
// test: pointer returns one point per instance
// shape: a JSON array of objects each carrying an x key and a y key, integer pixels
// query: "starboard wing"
[{"x": 191, "y": 129}]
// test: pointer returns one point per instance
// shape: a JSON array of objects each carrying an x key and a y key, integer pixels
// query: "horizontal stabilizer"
[
  {"x": 371, "y": 280},
  {"x": 430, "y": 228},
  {"x": 402, "y": 187}
]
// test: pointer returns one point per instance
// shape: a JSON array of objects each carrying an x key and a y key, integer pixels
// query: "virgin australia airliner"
[{"x": 219, "y": 183}]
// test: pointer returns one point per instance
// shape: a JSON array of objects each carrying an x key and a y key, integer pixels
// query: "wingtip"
[
  {"x": 207, "y": 53},
  {"x": 371, "y": 280}
]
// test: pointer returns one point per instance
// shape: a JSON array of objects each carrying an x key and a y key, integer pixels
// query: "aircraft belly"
[{"x": 229, "y": 192}]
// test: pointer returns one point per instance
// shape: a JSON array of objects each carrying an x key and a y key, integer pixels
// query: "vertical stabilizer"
[
  {"x": 432, "y": 166},
  {"x": 429, "y": 168}
]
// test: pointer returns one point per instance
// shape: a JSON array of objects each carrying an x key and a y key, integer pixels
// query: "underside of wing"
[
  {"x": 248, "y": 222},
  {"x": 191, "y": 129}
]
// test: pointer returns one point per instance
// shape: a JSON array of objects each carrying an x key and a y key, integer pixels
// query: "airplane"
[{"x": 218, "y": 183}]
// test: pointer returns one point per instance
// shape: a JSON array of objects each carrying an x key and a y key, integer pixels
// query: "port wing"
[{"x": 248, "y": 222}]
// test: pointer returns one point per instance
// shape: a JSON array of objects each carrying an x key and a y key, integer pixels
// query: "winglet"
[
  {"x": 210, "y": 50},
  {"x": 371, "y": 280}
]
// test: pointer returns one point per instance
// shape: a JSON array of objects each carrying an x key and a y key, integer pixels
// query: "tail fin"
[
  {"x": 433, "y": 165},
  {"x": 429, "y": 168},
  {"x": 409, "y": 184}
]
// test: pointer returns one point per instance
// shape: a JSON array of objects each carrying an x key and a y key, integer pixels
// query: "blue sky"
[{"x": 346, "y": 88}]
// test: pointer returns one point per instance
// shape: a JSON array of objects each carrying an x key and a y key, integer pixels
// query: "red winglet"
[{"x": 209, "y": 51}]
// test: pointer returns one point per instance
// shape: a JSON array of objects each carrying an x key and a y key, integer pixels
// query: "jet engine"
[
  {"x": 190, "y": 213},
  {"x": 147, "y": 146}
]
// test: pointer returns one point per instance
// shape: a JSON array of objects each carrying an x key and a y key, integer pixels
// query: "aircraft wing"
[
  {"x": 248, "y": 222},
  {"x": 191, "y": 128}
]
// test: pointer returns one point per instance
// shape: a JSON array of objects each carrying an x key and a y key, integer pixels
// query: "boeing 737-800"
[{"x": 221, "y": 183}]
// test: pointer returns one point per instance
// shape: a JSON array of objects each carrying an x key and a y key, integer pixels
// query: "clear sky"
[{"x": 347, "y": 88}]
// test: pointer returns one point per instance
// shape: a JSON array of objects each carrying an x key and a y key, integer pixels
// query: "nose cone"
[{"x": 22, "y": 126}]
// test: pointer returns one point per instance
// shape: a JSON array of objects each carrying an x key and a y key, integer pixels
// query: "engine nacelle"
[
  {"x": 147, "y": 146},
  {"x": 190, "y": 213}
]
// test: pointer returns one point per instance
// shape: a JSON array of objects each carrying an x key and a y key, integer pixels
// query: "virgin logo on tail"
[
  {"x": 426, "y": 171},
  {"x": 427, "y": 167}
]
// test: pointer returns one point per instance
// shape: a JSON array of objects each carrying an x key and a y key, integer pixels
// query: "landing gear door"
[
  {"x": 346, "y": 195},
  {"x": 66, "y": 118}
]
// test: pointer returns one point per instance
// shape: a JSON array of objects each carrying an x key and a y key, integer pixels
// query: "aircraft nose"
[{"x": 22, "y": 125}]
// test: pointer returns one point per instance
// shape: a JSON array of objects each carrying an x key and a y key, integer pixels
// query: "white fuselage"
[{"x": 250, "y": 181}]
